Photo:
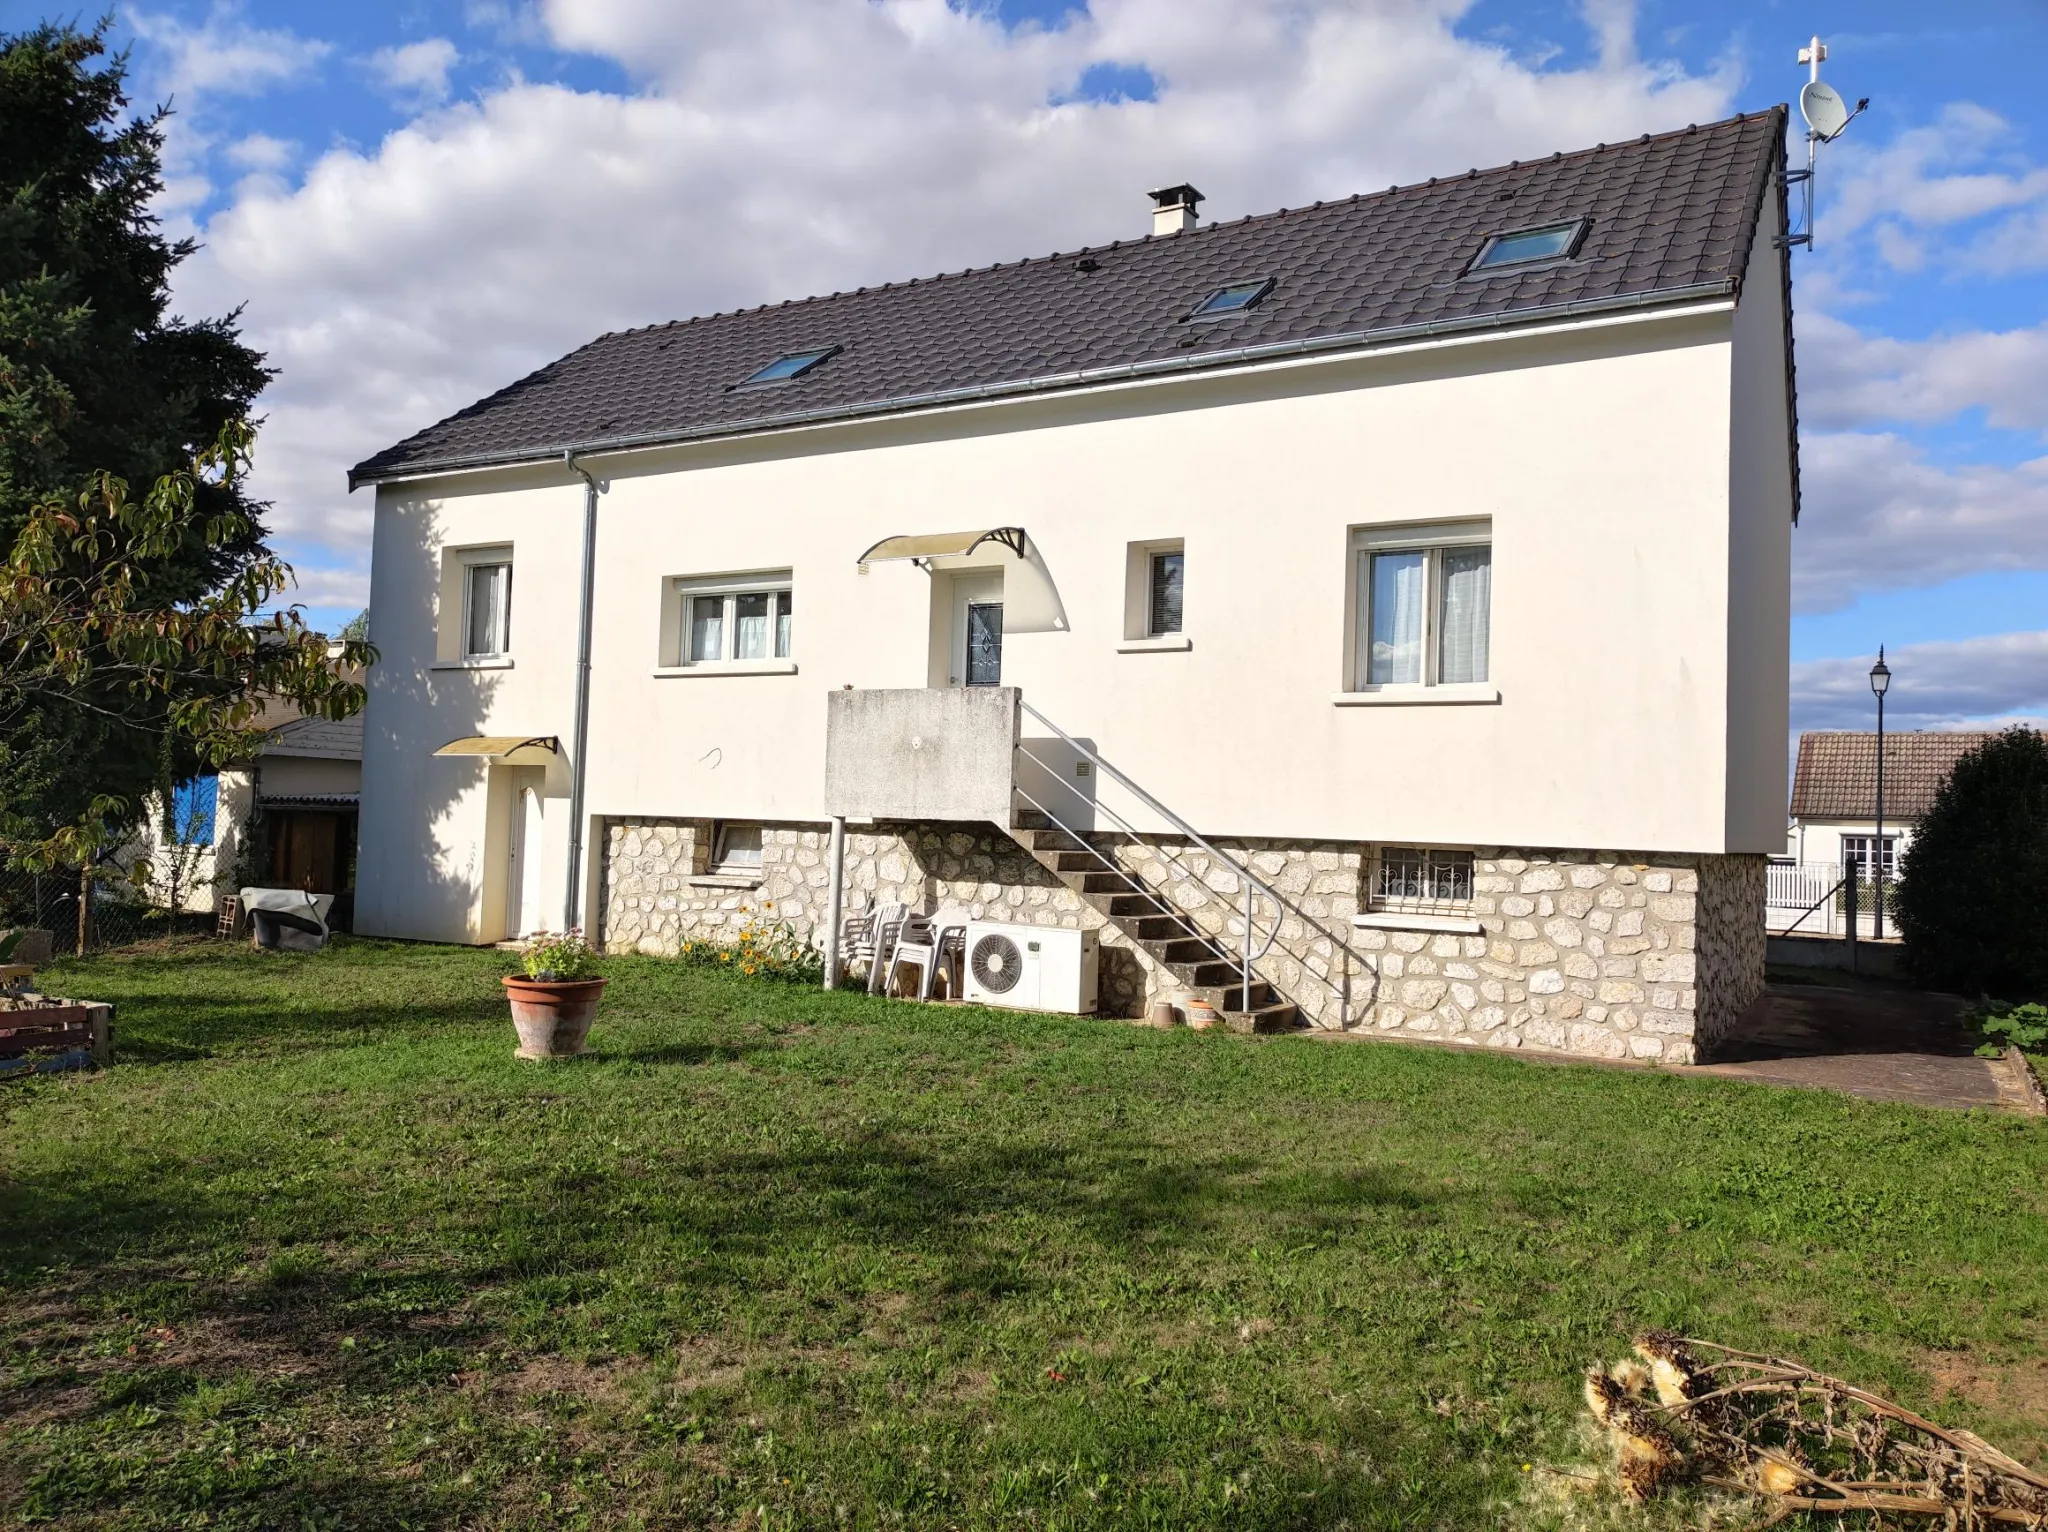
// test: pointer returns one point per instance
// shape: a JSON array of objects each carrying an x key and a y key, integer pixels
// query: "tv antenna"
[{"x": 1827, "y": 116}]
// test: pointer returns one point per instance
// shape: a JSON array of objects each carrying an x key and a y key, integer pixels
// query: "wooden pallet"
[{"x": 64, "y": 1035}]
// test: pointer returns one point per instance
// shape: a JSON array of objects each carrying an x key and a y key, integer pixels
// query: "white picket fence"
[{"x": 1806, "y": 898}]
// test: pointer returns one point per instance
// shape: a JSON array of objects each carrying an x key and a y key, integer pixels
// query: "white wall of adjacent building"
[{"x": 1633, "y": 475}]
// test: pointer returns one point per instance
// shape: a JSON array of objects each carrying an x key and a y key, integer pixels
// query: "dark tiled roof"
[
  {"x": 1837, "y": 773},
  {"x": 1668, "y": 215}
]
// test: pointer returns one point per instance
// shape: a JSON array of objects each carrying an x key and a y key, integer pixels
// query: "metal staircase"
[{"x": 1207, "y": 966}]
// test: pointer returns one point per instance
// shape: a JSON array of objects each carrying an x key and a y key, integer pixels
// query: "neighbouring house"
[
  {"x": 298, "y": 798},
  {"x": 1412, "y": 566},
  {"x": 1833, "y": 824}
]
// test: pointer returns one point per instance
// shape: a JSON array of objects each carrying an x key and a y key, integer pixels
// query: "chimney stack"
[{"x": 1173, "y": 208}]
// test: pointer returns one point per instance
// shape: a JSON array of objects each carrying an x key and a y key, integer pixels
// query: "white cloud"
[
  {"x": 415, "y": 76},
  {"x": 1848, "y": 377},
  {"x": 1970, "y": 682},
  {"x": 328, "y": 588},
  {"x": 1879, "y": 513},
  {"x": 188, "y": 66},
  {"x": 261, "y": 152},
  {"x": 223, "y": 54},
  {"x": 1961, "y": 185},
  {"x": 788, "y": 147}
]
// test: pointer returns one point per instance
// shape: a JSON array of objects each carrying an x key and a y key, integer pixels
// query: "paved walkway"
[{"x": 1870, "y": 1040}]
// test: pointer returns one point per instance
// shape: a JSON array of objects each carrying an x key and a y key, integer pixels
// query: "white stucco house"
[
  {"x": 298, "y": 798},
  {"x": 1417, "y": 561},
  {"x": 1833, "y": 825}
]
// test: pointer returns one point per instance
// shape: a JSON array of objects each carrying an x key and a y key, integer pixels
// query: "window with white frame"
[
  {"x": 735, "y": 621},
  {"x": 1421, "y": 880},
  {"x": 487, "y": 608},
  {"x": 1860, "y": 851},
  {"x": 736, "y": 849},
  {"x": 1424, "y": 600}
]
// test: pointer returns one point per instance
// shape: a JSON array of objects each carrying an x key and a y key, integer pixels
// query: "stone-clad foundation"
[{"x": 1600, "y": 954}]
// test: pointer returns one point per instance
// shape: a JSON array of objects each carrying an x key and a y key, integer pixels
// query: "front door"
[
  {"x": 977, "y": 630},
  {"x": 305, "y": 850},
  {"x": 522, "y": 883}
]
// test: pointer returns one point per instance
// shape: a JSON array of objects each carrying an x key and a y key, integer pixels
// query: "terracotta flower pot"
[{"x": 552, "y": 1019}]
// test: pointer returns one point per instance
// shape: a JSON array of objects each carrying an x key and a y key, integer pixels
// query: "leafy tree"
[
  {"x": 102, "y": 387},
  {"x": 1972, "y": 899},
  {"x": 82, "y": 631},
  {"x": 358, "y": 626}
]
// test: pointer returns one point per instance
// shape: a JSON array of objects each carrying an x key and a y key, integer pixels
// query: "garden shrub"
[
  {"x": 763, "y": 949},
  {"x": 1972, "y": 901},
  {"x": 2024, "y": 1027}
]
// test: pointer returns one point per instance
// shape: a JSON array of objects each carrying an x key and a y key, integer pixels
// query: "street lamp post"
[{"x": 1880, "y": 683}]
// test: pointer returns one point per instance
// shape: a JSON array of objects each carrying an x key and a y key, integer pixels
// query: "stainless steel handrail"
[
  {"x": 1251, "y": 880},
  {"x": 1173, "y": 863},
  {"x": 1139, "y": 886}
]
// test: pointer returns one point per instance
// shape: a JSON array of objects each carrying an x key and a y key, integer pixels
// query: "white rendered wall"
[
  {"x": 1760, "y": 551},
  {"x": 1601, "y": 455}
]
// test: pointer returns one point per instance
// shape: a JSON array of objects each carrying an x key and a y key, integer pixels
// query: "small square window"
[
  {"x": 792, "y": 365},
  {"x": 736, "y": 849},
  {"x": 1233, "y": 299},
  {"x": 1524, "y": 247}
]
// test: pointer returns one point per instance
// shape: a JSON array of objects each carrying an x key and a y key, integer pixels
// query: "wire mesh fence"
[{"x": 114, "y": 914}]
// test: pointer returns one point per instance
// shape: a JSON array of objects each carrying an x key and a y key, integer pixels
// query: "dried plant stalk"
[{"x": 1801, "y": 1441}]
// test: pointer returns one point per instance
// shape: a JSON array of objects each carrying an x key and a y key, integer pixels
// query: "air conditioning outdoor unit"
[{"x": 1031, "y": 968}]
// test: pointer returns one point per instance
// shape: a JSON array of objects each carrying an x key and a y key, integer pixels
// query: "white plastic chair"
[
  {"x": 934, "y": 943},
  {"x": 885, "y": 923}
]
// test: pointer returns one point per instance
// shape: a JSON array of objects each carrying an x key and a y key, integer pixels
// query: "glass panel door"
[{"x": 984, "y": 643}]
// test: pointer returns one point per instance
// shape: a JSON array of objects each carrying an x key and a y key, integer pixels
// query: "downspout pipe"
[{"x": 579, "y": 748}]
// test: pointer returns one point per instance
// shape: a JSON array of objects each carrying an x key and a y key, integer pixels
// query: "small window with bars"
[{"x": 1421, "y": 880}]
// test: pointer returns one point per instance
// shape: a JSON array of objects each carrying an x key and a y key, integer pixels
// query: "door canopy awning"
[
  {"x": 1031, "y": 602},
  {"x": 506, "y": 749}
]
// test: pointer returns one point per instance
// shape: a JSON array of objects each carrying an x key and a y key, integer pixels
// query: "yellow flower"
[{"x": 725, "y": 957}]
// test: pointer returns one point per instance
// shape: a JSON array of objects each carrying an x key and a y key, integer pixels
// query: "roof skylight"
[
  {"x": 1554, "y": 242},
  {"x": 793, "y": 364},
  {"x": 1233, "y": 299}
]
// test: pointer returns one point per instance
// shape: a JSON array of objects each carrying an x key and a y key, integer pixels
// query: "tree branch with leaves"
[{"x": 82, "y": 625}]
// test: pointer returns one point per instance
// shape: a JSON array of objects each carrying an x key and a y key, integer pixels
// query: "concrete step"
[
  {"x": 1230, "y": 997},
  {"x": 1279, "y": 1016}
]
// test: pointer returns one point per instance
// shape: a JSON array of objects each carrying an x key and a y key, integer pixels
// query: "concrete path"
[{"x": 1870, "y": 1040}]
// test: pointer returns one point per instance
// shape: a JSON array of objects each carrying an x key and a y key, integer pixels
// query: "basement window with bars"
[{"x": 1421, "y": 880}]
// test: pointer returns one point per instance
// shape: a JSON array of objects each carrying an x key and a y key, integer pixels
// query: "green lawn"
[{"x": 319, "y": 1252}]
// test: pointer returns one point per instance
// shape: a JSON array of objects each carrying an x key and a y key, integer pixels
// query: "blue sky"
[{"x": 402, "y": 192}]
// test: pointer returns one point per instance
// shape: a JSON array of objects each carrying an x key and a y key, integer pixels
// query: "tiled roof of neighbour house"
[
  {"x": 322, "y": 738},
  {"x": 1667, "y": 218},
  {"x": 1836, "y": 777}
]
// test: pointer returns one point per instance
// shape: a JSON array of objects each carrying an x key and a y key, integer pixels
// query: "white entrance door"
[
  {"x": 977, "y": 630},
  {"x": 522, "y": 883}
]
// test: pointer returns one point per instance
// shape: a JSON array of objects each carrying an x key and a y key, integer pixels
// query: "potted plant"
[{"x": 553, "y": 1003}]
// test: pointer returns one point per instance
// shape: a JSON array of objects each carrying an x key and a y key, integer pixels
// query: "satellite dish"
[{"x": 1823, "y": 110}]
